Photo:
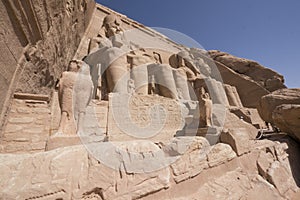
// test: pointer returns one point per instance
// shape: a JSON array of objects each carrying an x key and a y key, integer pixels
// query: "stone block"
[
  {"x": 23, "y": 120},
  {"x": 55, "y": 142},
  {"x": 238, "y": 139},
  {"x": 219, "y": 154},
  {"x": 193, "y": 157}
]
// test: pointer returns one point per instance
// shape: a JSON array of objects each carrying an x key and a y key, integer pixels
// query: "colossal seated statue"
[
  {"x": 109, "y": 52},
  {"x": 138, "y": 61},
  {"x": 185, "y": 74}
]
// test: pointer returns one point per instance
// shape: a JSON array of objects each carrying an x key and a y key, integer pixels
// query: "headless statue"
[{"x": 205, "y": 108}]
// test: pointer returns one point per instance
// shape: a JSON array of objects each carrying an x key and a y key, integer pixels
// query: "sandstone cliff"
[{"x": 38, "y": 38}]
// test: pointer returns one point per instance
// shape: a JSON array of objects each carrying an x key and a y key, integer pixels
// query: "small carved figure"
[
  {"x": 130, "y": 86},
  {"x": 153, "y": 89},
  {"x": 205, "y": 108}
]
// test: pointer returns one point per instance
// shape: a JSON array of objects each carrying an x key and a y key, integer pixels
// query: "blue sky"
[{"x": 267, "y": 31}]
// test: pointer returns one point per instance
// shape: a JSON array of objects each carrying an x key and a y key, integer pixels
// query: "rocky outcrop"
[
  {"x": 251, "y": 79},
  {"x": 282, "y": 109},
  {"x": 134, "y": 171},
  {"x": 286, "y": 118},
  {"x": 265, "y": 77},
  {"x": 244, "y": 85},
  {"x": 269, "y": 102},
  {"x": 38, "y": 38}
]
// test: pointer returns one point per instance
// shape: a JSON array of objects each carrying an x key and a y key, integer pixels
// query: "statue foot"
[
  {"x": 80, "y": 132},
  {"x": 59, "y": 133}
]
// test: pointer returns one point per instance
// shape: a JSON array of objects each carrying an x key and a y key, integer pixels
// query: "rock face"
[
  {"x": 247, "y": 76},
  {"x": 38, "y": 39},
  {"x": 265, "y": 77},
  {"x": 282, "y": 109},
  {"x": 244, "y": 86},
  {"x": 286, "y": 118}
]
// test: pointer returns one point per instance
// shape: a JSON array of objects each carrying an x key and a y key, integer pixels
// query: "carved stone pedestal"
[
  {"x": 212, "y": 134},
  {"x": 55, "y": 142},
  {"x": 61, "y": 141}
]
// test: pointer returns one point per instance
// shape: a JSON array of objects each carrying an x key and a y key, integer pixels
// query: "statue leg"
[
  {"x": 62, "y": 123},
  {"x": 80, "y": 123},
  {"x": 209, "y": 114}
]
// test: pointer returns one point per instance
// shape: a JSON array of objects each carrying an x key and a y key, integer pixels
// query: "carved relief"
[
  {"x": 57, "y": 194},
  {"x": 69, "y": 7},
  {"x": 130, "y": 86},
  {"x": 142, "y": 116}
]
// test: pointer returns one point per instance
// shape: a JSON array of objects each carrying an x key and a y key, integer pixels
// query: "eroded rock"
[
  {"x": 265, "y": 77},
  {"x": 282, "y": 108}
]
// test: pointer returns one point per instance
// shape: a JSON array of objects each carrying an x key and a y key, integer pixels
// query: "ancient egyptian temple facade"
[{"x": 98, "y": 106}]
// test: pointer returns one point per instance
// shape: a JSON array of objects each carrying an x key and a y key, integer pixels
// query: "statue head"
[
  {"x": 112, "y": 25},
  {"x": 73, "y": 66},
  {"x": 204, "y": 94},
  {"x": 183, "y": 58}
]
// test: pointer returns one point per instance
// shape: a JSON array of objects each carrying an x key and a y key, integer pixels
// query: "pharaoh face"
[
  {"x": 184, "y": 58},
  {"x": 112, "y": 30},
  {"x": 73, "y": 66},
  {"x": 112, "y": 25}
]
